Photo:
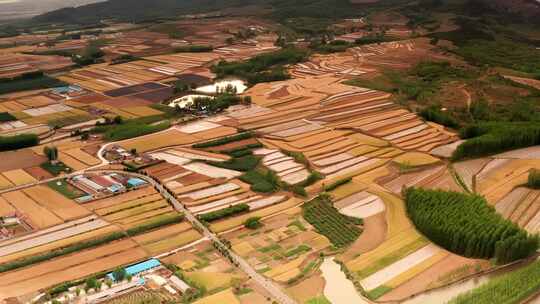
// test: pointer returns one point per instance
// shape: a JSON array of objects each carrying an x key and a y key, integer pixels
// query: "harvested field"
[
  {"x": 84, "y": 157},
  {"x": 53, "y": 234},
  {"x": 360, "y": 205},
  {"x": 156, "y": 235},
  {"x": 164, "y": 139},
  {"x": 38, "y": 215},
  {"x": 415, "y": 159},
  {"x": 390, "y": 272},
  {"x": 226, "y": 296},
  {"x": 65, "y": 241},
  {"x": 24, "y": 158},
  {"x": 64, "y": 208},
  {"x": 68, "y": 268},
  {"x": 18, "y": 177},
  {"x": 211, "y": 171},
  {"x": 172, "y": 242}
]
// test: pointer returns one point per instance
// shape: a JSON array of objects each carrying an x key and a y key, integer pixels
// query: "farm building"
[
  {"x": 139, "y": 268},
  {"x": 179, "y": 284}
]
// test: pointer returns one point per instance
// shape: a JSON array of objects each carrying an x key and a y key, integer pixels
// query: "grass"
[
  {"x": 55, "y": 169},
  {"x": 378, "y": 292},
  {"x": 65, "y": 189},
  {"x": 298, "y": 250},
  {"x": 319, "y": 300}
]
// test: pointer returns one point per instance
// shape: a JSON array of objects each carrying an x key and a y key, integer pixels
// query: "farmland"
[{"x": 269, "y": 152}]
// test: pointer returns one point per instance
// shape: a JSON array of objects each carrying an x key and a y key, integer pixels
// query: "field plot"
[
  {"x": 13, "y": 65},
  {"x": 500, "y": 176},
  {"x": 285, "y": 166},
  {"x": 521, "y": 206},
  {"x": 286, "y": 252},
  {"x": 81, "y": 264}
]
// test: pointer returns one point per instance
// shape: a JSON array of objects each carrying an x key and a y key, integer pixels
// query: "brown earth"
[{"x": 374, "y": 234}]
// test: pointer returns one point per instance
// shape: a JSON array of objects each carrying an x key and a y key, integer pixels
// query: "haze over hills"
[{"x": 14, "y": 9}]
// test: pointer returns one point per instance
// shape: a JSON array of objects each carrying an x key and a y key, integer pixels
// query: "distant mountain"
[{"x": 141, "y": 10}]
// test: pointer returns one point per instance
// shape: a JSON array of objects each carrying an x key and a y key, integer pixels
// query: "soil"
[
  {"x": 374, "y": 234},
  {"x": 20, "y": 159},
  {"x": 307, "y": 289},
  {"x": 38, "y": 173}
]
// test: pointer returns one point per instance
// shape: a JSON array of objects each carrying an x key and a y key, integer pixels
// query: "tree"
[
  {"x": 129, "y": 278},
  {"x": 247, "y": 100},
  {"x": 91, "y": 283},
  {"x": 51, "y": 153},
  {"x": 118, "y": 120},
  {"x": 253, "y": 223},
  {"x": 119, "y": 274}
]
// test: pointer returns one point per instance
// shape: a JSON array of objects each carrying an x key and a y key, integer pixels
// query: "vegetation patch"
[
  {"x": 8, "y": 143},
  {"x": 29, "y": 81},
  {"x": 337, "y": 184},
  {"x": 338, "y": 228},
  {"x": 494, "y": 137},
  {"x": 224, "y": 140},
  {"x": 55, "y": 169},
  {"x": 64, "y": 188},
  {"x": 262, "y": 68},
  {"x": 244, "y": 163},
  {"x": 5, "y": 116},
  {"x": 534, "y": 179},
  {"x": 510, "y": 288},
  {"x": 224, "y": 213},
  {"x": 466, "y": 225},
  {"x": 261, "y": 182}
]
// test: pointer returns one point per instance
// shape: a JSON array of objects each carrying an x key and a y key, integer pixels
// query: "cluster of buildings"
[{"x": 102, "y": 185}]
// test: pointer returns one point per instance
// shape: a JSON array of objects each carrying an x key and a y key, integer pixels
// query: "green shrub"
[
  {"x": 466, "y": 225},
  {"x": 244, "y": 163},
  {"x": 436, "y": 115},
  {"x": 313, "y": 177},
  {"x": 337, "y": 184},
  {"x": 223, "y": 213},
  {"x": 5, "y": 116},
  {"x": 534, "y": 179},
  {"x": 224, "y": 140},
  {"x": 253, "y": 223},
  {"x": 8, "y": 143}
]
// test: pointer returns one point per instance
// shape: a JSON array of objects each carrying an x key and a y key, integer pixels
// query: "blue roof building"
[
  {"x": 135, "y": 182},
  {"x": 138, "y": 268}
]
